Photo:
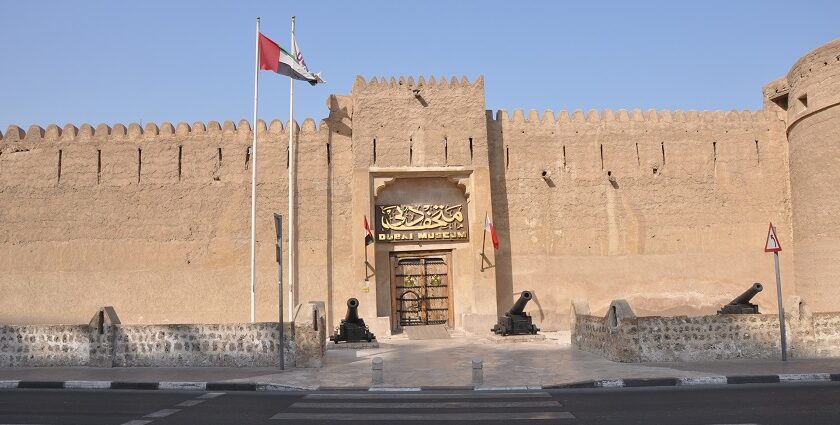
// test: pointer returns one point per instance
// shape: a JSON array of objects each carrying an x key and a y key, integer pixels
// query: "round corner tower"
[{"x": 813, "y": 132}]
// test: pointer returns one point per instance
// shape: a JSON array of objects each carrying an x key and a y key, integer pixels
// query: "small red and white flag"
[
  {"x": 489, "y": 227},
  {"x": 368, "y": 234}
]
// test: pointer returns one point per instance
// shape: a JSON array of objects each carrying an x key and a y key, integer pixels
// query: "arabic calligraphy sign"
[{"x": 419, "y": 222}]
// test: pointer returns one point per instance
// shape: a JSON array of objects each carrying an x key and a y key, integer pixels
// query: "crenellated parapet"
[
  {"x": 401, "y": 83},
  {"x": 165, "y": 131},
  {"x": 550, "y": 119}
]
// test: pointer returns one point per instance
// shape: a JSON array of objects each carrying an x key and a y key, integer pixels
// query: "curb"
[
  {"x": 701, "y": 380},
  {"x": 272, "y": 387}
]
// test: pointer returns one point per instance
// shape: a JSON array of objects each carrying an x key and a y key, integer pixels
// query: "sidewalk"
[{"x": 442, "y": 363}]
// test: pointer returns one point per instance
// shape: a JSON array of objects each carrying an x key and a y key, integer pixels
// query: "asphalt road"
[{"x": 726, "y": 404}]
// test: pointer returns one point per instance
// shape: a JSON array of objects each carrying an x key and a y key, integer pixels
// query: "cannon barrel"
[
  {"x": 519, "y": 307},
  {"x": 747, "y": 295},
  {"x": 352, "y": 311}
]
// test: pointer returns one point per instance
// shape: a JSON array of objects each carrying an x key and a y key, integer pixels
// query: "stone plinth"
[{"x": 353, "y": 345}]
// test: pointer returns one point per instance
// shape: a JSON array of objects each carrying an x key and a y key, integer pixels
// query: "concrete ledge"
[
  {"x": 512, "y": 339},
  {"x": 353, "y": 345}
]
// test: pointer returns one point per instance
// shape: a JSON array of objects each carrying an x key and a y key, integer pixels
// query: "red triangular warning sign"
[{"x": 772, "y": 244}]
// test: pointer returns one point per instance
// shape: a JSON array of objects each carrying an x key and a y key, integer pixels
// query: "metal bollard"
[
  {"x": 376, "y": 371},
  {"x": 477, "y": 371}
]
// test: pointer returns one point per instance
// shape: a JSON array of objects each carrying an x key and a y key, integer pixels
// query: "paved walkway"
[{"x": 442, "y": 362}]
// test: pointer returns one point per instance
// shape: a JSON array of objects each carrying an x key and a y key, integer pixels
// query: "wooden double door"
[{"x": 421, "y": 289}]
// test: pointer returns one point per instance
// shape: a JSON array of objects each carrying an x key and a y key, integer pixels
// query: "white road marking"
[
  {"x": 387, "y": 389},
  {"x": 162, "y": 413},
  {"x": 421, "y": 395},
  {"x": 434, "y": 417},
  {"x": 9, "y": 384},
  {"x": 189, "y": 403},
  {"x": 428, "y": 405},
  {"x": 211, "y": 395}
]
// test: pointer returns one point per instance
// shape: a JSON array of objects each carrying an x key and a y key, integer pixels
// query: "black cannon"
[
  {"x": 352, "y": 328},
  {"x": 516, "y": 321},
  {"x": 741, "y": 304}
]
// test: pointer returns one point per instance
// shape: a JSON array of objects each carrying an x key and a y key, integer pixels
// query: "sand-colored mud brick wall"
[{"x": 667, "y": 209}]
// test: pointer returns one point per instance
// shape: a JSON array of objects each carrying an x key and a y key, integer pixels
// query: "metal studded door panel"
[{"x": 421, "y": 287}]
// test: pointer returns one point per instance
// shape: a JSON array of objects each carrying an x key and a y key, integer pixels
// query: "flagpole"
[
  {"x": 254, "y": 176},
  {"x": 484, "y": 234},
  {"x": 292, "y": 184}
]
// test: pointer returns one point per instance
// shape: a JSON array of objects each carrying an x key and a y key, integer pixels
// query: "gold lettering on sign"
[
  {"x": 422, "y": 217},
  {"x": 421, "y": 222}
]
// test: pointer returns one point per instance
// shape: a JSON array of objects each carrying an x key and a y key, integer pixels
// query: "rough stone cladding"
[
  {"x": 667, "y": 209},
  {"x": 709, "y": 337},
  {"x": 45, "y": 345},
  {"x": 216, "y": 345},
  {"x": 229, "y": 345}
]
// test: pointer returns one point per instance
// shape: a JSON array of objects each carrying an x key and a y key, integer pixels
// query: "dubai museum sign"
[{"x": 423, "y": 222}]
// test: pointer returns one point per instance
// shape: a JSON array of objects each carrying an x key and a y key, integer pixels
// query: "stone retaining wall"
[
  {"x": 107, "y": 343},
  {"x": 621, "y": 336}
]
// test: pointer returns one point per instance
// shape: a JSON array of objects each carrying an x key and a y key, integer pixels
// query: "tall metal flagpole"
[
  {"x": 254, "y": 175},
  {"x": 292, "y": 183}
]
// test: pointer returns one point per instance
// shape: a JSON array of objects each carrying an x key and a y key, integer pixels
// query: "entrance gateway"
[{"x": 421, "y": 288}]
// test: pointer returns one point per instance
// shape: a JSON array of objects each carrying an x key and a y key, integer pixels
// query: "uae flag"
[
  {"x": 368, "y": 233},
  {"x": 489, "y": 227},
  {"x": 277, "y": 59}
]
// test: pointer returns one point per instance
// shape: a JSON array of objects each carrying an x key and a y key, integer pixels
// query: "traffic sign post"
[{"x": 773, "y": 245}]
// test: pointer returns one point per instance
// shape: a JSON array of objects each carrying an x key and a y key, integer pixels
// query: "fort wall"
[
  {"x": 668, "y": 209},
  {"x": 812, "y": 103}
]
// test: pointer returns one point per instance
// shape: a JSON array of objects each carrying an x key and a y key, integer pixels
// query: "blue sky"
[{"x": 154, "y": 61}]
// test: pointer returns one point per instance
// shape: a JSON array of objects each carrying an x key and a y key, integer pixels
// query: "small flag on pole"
[
  {"x": 368, "y": 234},
  {"x": 275, "y": 58},
  {"x": 489, "y": 227}
]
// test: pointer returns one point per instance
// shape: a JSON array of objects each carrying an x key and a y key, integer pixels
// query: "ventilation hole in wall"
[
  {"x": 180, "y": 156},
  {"x": 59, "y": 165},
  {"x": 471, "y": 150},
  {"x": 507, "y": 156},
  {"x": 638, "y": 158},
  {"x": 219, "y": 157},
  {"x": 287, "y": 157},
  {"x": 564, "y": 157},
  {"x": 248, "y": 157},
  {"x": 329, "y": 159},
  {"x": 98, "y": 165},
  {"x": 374, "y": 151},
  {"x": 445, "y": 150},
  {"x": 139, "y": 163},
  {"x": 714, "y": 153},
  {"x": 757, "y": 153},
  {"x": 662, "y": 145},
  {"x": 602, "y": 156}
]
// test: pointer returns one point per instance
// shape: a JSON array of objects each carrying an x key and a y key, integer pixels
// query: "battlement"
[
  {"x": 152, "y": 131},
  {"x": 394, "y": 83},
  {"x": 593, "y": 116}
]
